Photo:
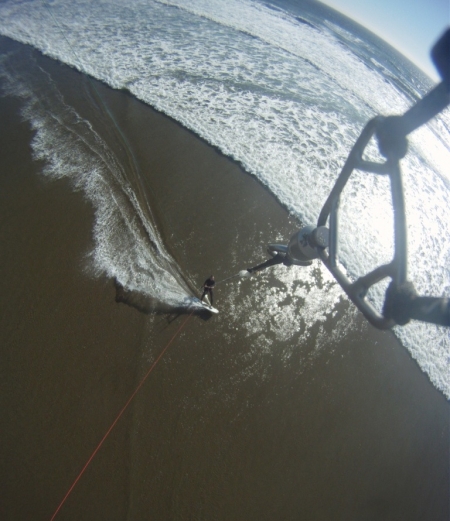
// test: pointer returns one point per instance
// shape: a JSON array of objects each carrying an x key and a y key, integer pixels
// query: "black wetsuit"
[{"x": 208, "y": 288}]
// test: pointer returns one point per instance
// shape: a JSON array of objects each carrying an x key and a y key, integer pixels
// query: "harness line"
[
  {"x": 119, "y": 415},
  {"x": 243, "y": 274}
]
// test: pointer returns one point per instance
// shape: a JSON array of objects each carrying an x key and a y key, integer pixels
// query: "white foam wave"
[{"x": 127, "y": 245}]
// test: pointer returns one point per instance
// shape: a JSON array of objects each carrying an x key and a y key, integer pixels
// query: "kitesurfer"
[{"x": 208, "y": 288}]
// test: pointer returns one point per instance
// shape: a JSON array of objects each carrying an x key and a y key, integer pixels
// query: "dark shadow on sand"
[{"x": 148, "y": 305}]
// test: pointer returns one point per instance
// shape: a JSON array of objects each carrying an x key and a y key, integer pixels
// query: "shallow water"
[{"x": 303, "y": 412}]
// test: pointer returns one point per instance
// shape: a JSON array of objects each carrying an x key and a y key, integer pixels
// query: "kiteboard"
[{"x": 205, "y": 305}]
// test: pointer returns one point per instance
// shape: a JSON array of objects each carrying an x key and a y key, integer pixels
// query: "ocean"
[
  {"x": 172, "y": 140},
  {"x": 284, "y": 89}
]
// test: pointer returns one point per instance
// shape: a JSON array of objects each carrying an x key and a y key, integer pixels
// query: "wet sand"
[{"x": 220, "y": 430}]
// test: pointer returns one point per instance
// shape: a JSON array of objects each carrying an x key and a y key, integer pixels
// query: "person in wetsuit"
[{"x": 208, "y": 288}]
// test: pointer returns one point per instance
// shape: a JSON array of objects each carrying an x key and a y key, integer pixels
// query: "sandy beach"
[{"x": 221, "y": 429}]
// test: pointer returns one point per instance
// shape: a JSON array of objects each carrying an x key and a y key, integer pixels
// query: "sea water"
[{"x": 283, "y": 89}]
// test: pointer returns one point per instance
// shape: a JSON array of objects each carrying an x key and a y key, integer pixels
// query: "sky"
[{"x": 411, "y": 26}]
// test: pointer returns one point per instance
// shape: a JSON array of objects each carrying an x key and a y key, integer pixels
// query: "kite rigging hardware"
[{"x": 402, "y": 303}]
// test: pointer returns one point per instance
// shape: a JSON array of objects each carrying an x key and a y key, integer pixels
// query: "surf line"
[
  {"x": 124, "y": 408},
  {"x": 101, "y": 103}
]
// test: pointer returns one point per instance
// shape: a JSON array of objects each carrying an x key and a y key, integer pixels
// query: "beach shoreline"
[{"x": 223, "y": 429}]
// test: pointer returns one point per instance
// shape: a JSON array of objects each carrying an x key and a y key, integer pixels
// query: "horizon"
[{"x": 412, "y": 28}]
